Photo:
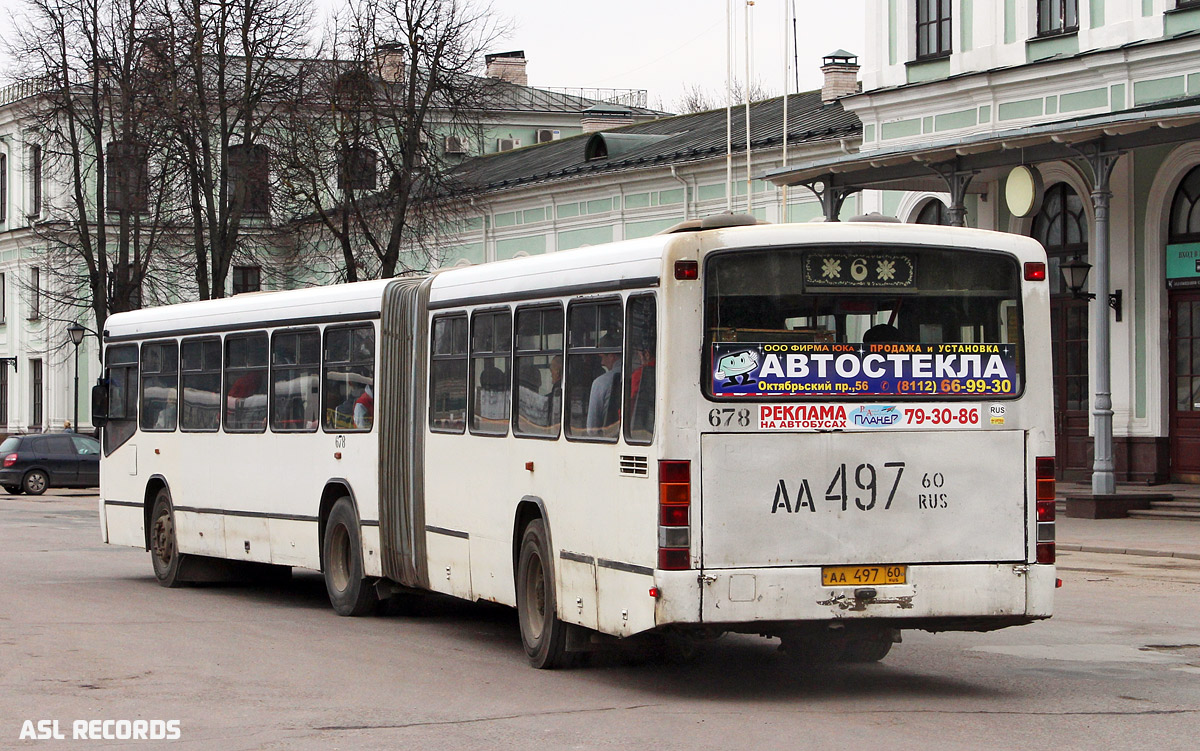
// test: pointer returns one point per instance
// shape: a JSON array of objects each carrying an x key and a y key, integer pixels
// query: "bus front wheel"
[
  {"x": 542, "y": 633},
  {"x": 349, "y": 591},
  {"x": 164, "y": 550}
]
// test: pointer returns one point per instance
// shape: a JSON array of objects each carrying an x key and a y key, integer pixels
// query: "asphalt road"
[{"x": 86, "y": 634}]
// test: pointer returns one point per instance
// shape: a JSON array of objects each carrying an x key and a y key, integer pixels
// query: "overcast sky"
[{"x": 659, "y": 45}]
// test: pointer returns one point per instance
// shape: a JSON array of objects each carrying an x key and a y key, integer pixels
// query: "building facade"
[{"x": 1094, "y": 108}]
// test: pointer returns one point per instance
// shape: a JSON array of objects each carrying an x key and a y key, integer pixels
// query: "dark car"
[{"x": 32, "y": 463}]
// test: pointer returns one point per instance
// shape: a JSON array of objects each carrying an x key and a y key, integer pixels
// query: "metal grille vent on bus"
[{"x": 635, "y": 466}]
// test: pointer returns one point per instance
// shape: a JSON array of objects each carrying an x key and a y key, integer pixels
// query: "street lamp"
[
  {"x": 76, "y": 332},
  {"x": 1075, "y": 274}
]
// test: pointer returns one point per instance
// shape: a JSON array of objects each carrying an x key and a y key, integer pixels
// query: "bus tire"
[
  {"x": 168, "y": 562},
  {"x": 868, "y": 648},
  {"x": 349, "y": 591},
  {"x": 542, "y": 634}
]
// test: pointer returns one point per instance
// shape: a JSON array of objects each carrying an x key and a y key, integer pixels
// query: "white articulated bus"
[{"x": 821, "y": 432}]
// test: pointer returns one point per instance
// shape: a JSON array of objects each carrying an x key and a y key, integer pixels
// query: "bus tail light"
[
  {"x": 674, "y": 515},
  {"x": 10, "y": 460},
  {"x": 1035, "y": 271},
  {"x": 1044, "y": 497}
]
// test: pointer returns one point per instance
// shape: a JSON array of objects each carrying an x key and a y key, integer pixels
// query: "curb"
[{"x": 1129, "y": 551}]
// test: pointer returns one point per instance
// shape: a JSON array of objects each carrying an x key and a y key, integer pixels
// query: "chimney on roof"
[
  {"x": 389, "y": 61},
  {"x": 507, "y": 66},
  {"x": 841, "y": 75},
  {"x": 605, "y": 116}
]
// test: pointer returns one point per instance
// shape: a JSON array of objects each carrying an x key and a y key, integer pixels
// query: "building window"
[
  {"x": 1185, "y": 210},
  {"x": 3, "y": 298},
  {"x": 1057, "y": 17},
  {"x": 35, "y": 407},
  {"x": 3, "y": 187},
  {"x": 246, "y": 279},
  {"x": 35, "y": 293},
  {"x": 127, "y": 177},
  {"x": 35, "y": 180},
  {"x": 933, "y": 28},
  {"x": 933, "y": 212},
  {"x": 249, "y": 171}
]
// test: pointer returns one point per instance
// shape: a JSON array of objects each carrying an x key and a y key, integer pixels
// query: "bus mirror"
[{"x": 99, "y": 405}]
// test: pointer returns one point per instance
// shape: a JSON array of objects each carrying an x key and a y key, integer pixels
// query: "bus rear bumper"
[{"x": 971, "y": 594}]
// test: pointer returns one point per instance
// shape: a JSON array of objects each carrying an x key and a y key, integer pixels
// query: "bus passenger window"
[
  {"x": 160, "y": 386},
  {"x": 246, "y": 383},
  {"x": 594, "y": 371},
  {"x": 200, "y": 366},
  {"x": 641, "y": 336},
  {"x": 448, "y": 375},
  {"x": 122, "y": 368},
  {"x": 539, "y": 369},
  {"x": 349, "y": 378},
  {"x": 295, "y": 380},
  {"x": 491, "y": 347}
]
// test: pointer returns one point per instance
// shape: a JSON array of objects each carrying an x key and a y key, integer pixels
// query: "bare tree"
[
  {"x": 229, "y": 69},
  {"x": 372, "y": 169},
  {"x": 94, "y": 134},
  {"x": 696, "y": 98}
]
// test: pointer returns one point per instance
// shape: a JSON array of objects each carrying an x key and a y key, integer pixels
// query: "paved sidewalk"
[
  {"x": 1168, "y": 538},
  {"x": 1155, "y": 537}
]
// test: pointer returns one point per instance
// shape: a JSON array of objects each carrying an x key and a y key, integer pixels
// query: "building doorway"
[
  {"x": 1183, "y": 281},
  {"x": 1061, "y": 228}
]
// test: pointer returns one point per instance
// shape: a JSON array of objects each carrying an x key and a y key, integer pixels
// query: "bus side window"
[
  {"x": 349, "y": 379},
  {"x": 641, "y": 338},
  {"x": 593, "y": 390},
  {"x": 295, "y": 380},
  {"x": 200, "y": 381},
  {"x": 491, "y": 350},
  {"x": 122, "y": 366},
  {"x": 246, "y": 383},
  {"x": 448, "y": 375},
  {"x": 537, "y": 393},
  {"x": 160, "y": 386}
]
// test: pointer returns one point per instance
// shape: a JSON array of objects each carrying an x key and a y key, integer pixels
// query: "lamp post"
[{"x": 76, "y": 332}]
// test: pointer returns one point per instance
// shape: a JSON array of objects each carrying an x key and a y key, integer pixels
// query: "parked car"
[{"x": 32, "y": 463}]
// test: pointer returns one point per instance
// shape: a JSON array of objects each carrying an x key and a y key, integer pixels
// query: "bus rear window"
[{"x": 867, "y": 321}]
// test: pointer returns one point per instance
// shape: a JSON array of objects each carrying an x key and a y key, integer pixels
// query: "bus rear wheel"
[
  {"x": 164, "y": 550},
  {"x": 542, "y": 633},
  {"x": 349, "y": 591}
]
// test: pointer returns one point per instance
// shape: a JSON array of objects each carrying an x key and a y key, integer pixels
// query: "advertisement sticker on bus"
[
  {"x": 867, "y": 416},
  {"x": 856, "y": 369}
]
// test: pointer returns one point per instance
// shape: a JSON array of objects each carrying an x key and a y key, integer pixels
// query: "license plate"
[{"x": 849, "y": 576}]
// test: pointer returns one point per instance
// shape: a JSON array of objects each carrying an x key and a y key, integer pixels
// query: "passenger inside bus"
[{"x": 604, "y": 401}]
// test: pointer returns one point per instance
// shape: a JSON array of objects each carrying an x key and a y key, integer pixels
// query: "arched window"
[
  {"x": 1061, "y": 228},
  {"x": 1185, "y": 210},
  {"x": 933, "y": 212}
]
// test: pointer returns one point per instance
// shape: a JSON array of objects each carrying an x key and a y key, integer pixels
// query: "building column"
[
  {"x": 957, "y": 181},
  {"x": 1102, "y": 162},
  {"x": 831, "y": 196}
]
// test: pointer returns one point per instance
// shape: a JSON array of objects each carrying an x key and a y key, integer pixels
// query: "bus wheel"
[
  {"x": 542, "y": 633},
  {"x": 871, "y": 647},
  {"x": 349, "y": 592},
  {"x": 164, "y": 552}
]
